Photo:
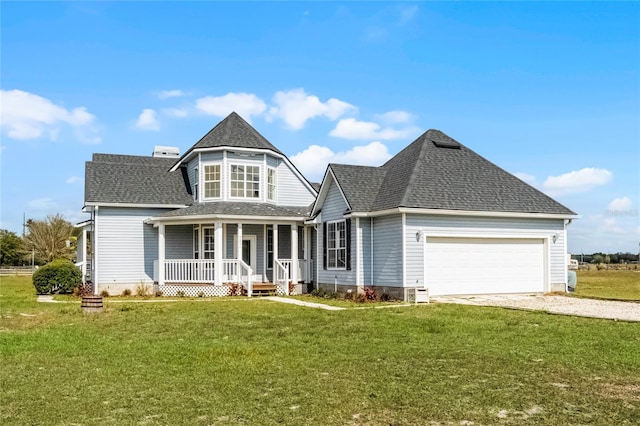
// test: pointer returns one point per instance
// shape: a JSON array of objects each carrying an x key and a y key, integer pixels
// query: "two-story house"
[{"x": 233, "y": 210}]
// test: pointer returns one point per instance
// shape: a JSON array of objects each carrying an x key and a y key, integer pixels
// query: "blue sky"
[{"x": 548, "y": 91}]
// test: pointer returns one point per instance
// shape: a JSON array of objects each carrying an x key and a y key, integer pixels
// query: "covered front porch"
[{"x": 223, "y": 258}]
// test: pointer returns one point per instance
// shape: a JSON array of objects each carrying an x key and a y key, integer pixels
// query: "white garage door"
[{"x": 484, "y": 265}]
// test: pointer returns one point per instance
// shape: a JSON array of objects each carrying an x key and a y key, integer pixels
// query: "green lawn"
[
  {"x": 260, "y": 362},
  {"x": 604, "y": 284}
]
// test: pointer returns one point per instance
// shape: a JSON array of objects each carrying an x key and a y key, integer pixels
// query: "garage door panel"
[{"x": 484, "y": 265}]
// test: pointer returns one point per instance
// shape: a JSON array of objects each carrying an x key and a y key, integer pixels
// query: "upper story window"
[
  {"x": 212, "y": 181},
  {"x": 195, "y": 184},
  {"x": 245, "y": 181},
  {"x": 271, "y": 184}
]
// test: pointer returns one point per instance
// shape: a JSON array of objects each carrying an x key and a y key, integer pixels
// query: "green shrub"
[{"x": 59, "y": 276}]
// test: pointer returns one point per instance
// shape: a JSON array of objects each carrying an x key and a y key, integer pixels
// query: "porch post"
[
  {"x": 84, "y": 255},
  {"x": 238, "y": 249},
  {"x": 161, "y": 254},
  {"x": 275, "y": 248},
  {"x": 305, "y": 248},
  {"x": 294, "y": 255},
  {"x": 218, "y": 255}
]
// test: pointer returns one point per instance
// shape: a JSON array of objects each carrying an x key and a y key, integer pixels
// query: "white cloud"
[
  {"x": 148, "y": 120},
  {"x": 576, "y": 181},
  {"x": 313, "y": 161},
  {"x": 175, "y": 112},
  {"x": 295, "y": 107},
  {"x": 45, "y": 203},
  {"x": 350, "y": 128},
  {"x": 165, "y": 94},
  {"x": 395, "y": 117},
  {"x": 407, "y": 13},
  {"x": 610, "y": 226},
  {"x": 525, "y": 177},
  {"x": 245, "y": 104},
  {"x": 74, "y": 179},
  {"x": 620, "y": 205},
  {"x": 25, "y": 115}
]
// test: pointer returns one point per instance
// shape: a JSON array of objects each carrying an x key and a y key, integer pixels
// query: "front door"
[{"x": 248, "y": 251}]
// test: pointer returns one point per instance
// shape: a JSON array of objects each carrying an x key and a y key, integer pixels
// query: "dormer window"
[
  {"x": 245, "y": 181},
  {"x": 212, "y": 181}
]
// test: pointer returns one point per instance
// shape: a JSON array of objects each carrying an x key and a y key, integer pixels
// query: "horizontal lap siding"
[
  {"x": 334, "y": 208},
  {"x": 191, "y": 174},
  {"x": 387, "y": 251},
  {"x": 290, "y": 189},
  {"x": 126, "y": 246},
  {"x": 247, "y": 229},
  {"x": 178, "y": 240},
  {"x": 479, "y": 227}
]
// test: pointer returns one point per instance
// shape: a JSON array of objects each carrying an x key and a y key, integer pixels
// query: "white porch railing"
[
  {"x": 201, "y": 271},
  {"x": 189, "y": 270},
  {"x": 282, "y": 274},
  {"x": 237, "y": 271}
]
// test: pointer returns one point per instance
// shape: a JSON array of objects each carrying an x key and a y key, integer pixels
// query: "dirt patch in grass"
[{"x": 626, "y": 392}]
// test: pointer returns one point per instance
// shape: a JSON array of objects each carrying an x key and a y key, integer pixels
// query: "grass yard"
[
  {"x": 259, "y": 362},
  {"x": 604, "y": 284}
]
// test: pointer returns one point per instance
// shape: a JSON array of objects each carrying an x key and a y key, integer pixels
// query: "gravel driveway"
[{"x": 626, "y": 311}]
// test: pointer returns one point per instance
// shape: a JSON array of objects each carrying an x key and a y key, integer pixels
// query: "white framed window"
[
  {"x": 337, "y": 245},
  {"x": 212, "y": 181},
  {"x": 196, "y": 242},
  {"x": 195, "y": 184},
  {"x": 208, "y": 244},
  {"x": 244, "y": 181},
  {"x": 271, "y": 184}
]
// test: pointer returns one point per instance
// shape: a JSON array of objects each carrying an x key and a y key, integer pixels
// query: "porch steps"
[{"x": 263, "y": 289}]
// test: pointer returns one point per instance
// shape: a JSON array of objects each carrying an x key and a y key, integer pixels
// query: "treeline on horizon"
[{"x": 600, "y": 257}]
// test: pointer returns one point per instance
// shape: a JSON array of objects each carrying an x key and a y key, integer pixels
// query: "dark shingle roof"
[
  {"x": 240, "y": 209},
  {"x": 428, "y": 175},
  {"x": 133, "y": 179},
  {"x": 233, "y": 131},
  {"x": 360, "y": 184}
]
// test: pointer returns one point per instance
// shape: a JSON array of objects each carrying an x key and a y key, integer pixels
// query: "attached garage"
[{"x": 455, "y": 265}]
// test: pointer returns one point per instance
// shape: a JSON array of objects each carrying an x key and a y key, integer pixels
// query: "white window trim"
[
  {"x": 260, "y": 196},
  {"x": 275, "y": 185},
  {"x": 202, "y": 245},
  {"x": 336, "y": 268},
  {"x": 201, "y": 178},
  {"x": 253, "y": 261}
]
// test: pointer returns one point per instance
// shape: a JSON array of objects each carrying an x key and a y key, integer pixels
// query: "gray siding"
[
  {"x": 291, "y": 191},
  {"x": 126, "y": 246},
  {"x": 365, "y": 261},
  {"x": 273, "y": 161},
  {"x": 334, "y": 208},
  {"x": 178, "y": 241},
  {"x": 387, "y": 251},
  {"x": 247, "y": 229},
  {"x": 211, "y": 156},
  {"x": 479, "y": 227},
  {"x": 191, "y": 173}
]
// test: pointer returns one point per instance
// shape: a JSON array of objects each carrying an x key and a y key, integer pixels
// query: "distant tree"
[
  {"x": 11, "y": 248},
  {"x": 607, "y": 259},
  {"x": 597, "y": 258},
  {"x": 614, "y": 258},
  {"x": 50, "y": 238}
]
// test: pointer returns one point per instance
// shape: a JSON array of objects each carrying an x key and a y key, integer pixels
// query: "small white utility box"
[{"x": 422, "y": 295}]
